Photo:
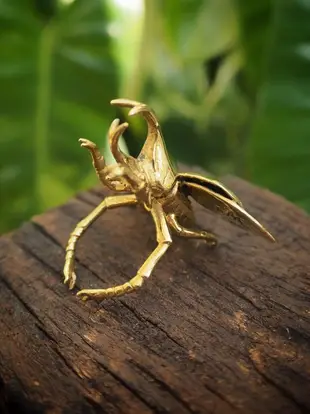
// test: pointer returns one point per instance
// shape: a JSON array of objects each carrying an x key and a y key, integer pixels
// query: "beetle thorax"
[{"x": 158, "y": 183}]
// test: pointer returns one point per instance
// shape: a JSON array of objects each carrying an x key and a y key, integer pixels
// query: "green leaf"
[
  {"x": 255, "y": 28},
  {"x": 183, "y": 36},
  {"x": 180, "y": 39},
  {"x": 57, "y": 76},
  {"x": 279, "y": 145}
]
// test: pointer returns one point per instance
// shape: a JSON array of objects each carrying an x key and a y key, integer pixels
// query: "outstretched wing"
[
  {"x": 154, "y": 152},
  {"x": 218, "y": 199}
]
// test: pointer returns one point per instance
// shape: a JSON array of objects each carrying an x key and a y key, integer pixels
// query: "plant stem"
[
  {"x": 43, "y": 98},
  {"x": 133, "y": 85}
]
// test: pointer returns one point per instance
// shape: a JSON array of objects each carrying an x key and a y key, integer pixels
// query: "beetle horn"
[
  {"x": 149, "y": 116},
  {"x": 140, "y": 108},
  {"x": 115, "y": 131},
  {"x": 154, "y": 132}
]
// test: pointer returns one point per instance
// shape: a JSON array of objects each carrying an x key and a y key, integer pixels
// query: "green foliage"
[
  {"x": 189, "y": 78},
  {"x": 56, "y": 79},
  {"x": 256, "y": 21},
  {"x": 228, "y": 79},
  {"x": 279, "y": 143}
]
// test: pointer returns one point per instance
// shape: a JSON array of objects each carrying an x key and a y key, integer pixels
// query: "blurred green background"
[{"x": 228, "y": 79}]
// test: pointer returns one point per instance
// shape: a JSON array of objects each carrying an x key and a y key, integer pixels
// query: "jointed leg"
[
  {"x": 109, "y": 202},
  {"x": 98, "y": 160},
  {"x": 184, "y": 232},
  {"x": 145, "y": 271}
]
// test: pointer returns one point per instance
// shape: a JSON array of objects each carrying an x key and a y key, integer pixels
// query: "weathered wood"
[{"x": 213, "y": 331}]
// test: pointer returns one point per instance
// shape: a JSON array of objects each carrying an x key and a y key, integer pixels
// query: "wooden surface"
[{"x": 213, "y": 331}]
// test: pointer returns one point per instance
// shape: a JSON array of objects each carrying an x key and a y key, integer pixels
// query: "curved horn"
[
  {"x": 139, "y": 108},
  {"x": 115, "y": 131}
]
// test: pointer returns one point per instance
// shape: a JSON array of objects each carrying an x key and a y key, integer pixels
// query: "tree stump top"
[{"x": 223, "y": 330}]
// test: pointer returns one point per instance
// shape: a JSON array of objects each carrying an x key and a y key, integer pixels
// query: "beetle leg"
[
  {"x": 109, "y": 202},
  {"x": 193, "y": 234},
  {"x": 163, "y": 239},
  {"x": 97, "y": 158}
]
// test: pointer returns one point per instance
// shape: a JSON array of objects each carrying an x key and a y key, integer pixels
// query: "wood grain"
[{"x": 223, "y": 330}]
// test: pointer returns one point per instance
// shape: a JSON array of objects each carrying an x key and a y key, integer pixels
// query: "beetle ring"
[{"x": 151, "y": 181}]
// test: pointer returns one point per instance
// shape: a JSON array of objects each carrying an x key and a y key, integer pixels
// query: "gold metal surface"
[{"x": 150, "y": 180}]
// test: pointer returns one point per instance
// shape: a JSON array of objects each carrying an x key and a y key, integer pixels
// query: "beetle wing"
[
  {"x": 216, "y": 198},
  {"x": 209, "y": 184}
]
